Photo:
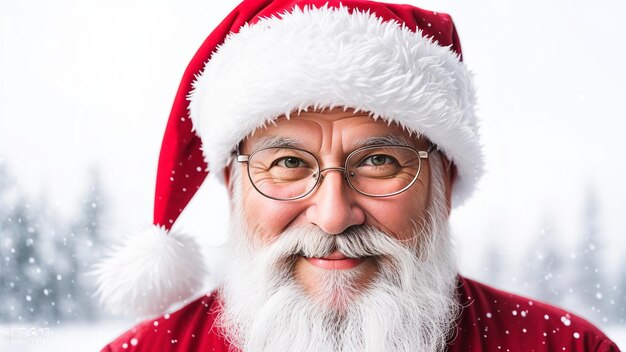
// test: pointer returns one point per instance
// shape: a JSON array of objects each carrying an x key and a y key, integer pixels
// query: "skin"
[{"x": 331, "y": 135}]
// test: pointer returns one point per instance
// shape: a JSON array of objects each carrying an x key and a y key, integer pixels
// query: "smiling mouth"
[{"x": 335, "y": 261}]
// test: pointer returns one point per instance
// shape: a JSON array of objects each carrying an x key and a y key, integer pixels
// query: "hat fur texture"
[
  {"x": 327, "y": 57},
  {"x": 149, "y": 271}
]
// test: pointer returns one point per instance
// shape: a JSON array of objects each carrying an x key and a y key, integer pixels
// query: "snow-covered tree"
[
  {"x": 44, "y": 261},
  {"x": 618, "y": 301},
  {"x": 588, "y": 283},
  {"x": 493, "y": 264},
  {"x": 22, "y": 279},
  {"x": 86, "y": 234},
  {"x": 543, "y": 266}
]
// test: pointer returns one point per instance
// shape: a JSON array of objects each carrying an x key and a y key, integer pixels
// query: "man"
[{"x": 345, "y": 133}]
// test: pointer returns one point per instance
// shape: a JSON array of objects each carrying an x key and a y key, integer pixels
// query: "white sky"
[{"x": 91, "y": 83}]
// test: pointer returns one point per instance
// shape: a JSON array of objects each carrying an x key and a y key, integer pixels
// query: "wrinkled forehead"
[{"x": 330, "y": 129}]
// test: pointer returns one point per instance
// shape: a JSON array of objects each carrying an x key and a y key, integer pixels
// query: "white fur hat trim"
[{"x": 327, "y": 57}]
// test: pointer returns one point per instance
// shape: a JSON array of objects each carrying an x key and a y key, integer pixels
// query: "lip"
[{"x": 335, "y": 261}]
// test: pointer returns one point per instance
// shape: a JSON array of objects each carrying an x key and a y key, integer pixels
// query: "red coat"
[{"x": 491, "y": 320}]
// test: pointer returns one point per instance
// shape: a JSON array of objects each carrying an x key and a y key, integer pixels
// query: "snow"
[
  {"x": 548, "y": 140},
  {"x": 80, "y": 337},
  {"x": 94, "y": 336}
]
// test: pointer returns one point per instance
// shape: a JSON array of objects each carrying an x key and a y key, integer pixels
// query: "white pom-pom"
[{"x": 149, "y": 272}]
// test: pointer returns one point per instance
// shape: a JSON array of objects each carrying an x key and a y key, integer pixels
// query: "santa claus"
[{"x": 345, "y": 133}]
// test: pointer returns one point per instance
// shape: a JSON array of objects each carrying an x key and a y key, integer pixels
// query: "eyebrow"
[
  {"x": 389, "y": 139},
  {"x": 282, "y": 142},
  {"x": 276, "y": 142}
]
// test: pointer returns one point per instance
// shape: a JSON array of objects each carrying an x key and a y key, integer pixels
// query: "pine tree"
[
  {"x": 588, "y": 283},
  {"x": 618, "y": 302},
  {"x": 43, "y": 262},
  {"x": 20, "y": 278},
  {"x": 87, "y": 238},
  {"x": 6, "y": 243},
  {"x": 544, "y": 264},
  {"x": 493, "y": 263}
]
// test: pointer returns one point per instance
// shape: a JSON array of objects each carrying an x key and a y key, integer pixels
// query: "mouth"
[{"x": 335, "y": 261}]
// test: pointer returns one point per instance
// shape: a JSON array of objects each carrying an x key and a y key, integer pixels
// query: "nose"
[{"x": 334, "y": 206}]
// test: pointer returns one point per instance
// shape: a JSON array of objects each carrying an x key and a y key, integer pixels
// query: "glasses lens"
[
  {"x": 380, "y": 171},
  {"x": 283, "y": 173}
]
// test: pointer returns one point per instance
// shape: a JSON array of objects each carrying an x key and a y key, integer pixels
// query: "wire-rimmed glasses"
[{"x": 287, "y": 173}]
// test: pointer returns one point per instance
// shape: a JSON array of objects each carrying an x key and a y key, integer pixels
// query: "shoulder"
[
  {"x": 188, "y": 329},
  {"x": 496, "y": 319}
]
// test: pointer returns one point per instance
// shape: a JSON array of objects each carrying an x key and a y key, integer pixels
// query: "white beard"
[{"x": 410, "y": 304}]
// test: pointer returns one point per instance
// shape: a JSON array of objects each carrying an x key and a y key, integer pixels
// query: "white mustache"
[{"x": 311, "y": 241}]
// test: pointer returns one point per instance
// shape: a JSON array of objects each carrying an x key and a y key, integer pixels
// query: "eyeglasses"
[{"x": 286, "y": 173}]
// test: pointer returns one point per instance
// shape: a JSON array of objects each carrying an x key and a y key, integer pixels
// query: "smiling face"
[
  {"x": 334, "y": 206},
  {"x": 337, "y": 270}
]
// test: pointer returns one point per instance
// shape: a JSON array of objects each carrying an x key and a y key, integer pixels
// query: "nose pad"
[{"x": 341, "y": 169}]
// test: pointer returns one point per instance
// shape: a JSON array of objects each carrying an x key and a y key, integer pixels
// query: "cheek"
[
  {"x": 267, "y": 217},
  {"x": 398, "y": 215}
]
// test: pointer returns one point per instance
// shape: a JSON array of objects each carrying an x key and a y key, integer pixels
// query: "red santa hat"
[{"x": 270, "y": 58}]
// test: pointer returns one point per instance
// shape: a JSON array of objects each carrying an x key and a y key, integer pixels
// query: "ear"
[
  {"x": 449, "y": 176},
  {"x": 227, "y": 179}
]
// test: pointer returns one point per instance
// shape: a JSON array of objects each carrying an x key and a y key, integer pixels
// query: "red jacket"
[{"x": 491, "y": 320}]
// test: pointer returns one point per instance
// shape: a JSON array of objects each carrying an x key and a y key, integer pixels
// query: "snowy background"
[{"x": 86, "y": 88}]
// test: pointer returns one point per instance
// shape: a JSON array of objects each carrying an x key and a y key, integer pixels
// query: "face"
[
  {"x": 333, "y": 206},
  {"x": 338, "y": 270}
]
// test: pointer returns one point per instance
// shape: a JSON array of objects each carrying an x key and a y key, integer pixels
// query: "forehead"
[{"x": 330, "y": 128}]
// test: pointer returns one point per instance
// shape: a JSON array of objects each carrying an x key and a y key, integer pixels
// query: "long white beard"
[{"x": 410, "y": 305}]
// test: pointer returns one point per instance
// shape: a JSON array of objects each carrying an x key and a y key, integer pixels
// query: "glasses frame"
[{"x": 422, "y": 154}]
